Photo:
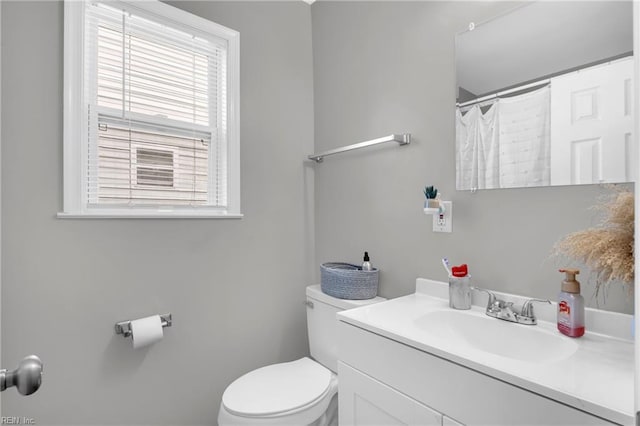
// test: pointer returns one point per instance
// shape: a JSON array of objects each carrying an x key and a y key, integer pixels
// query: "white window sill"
[{"x": 148, "y": 215}]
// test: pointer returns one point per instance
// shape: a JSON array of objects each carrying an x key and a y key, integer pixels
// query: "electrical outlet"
[{"x": 442, "y": 222}]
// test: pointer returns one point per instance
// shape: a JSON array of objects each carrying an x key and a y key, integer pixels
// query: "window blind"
[{"x": 156, "y": 97}]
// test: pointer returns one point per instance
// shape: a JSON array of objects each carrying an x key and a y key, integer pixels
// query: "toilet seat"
[{"x": 279, "y": 389}]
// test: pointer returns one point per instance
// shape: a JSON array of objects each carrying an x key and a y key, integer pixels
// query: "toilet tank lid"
[{"x": 315, "y": 292}]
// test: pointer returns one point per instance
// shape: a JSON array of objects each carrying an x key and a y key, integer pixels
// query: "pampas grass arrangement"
[{"x": 608, "y": 248}]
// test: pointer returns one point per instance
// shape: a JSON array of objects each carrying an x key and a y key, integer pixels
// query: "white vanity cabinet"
[
  {"x": 366, "y": 401},
  {"x": 384, "y": 382}
]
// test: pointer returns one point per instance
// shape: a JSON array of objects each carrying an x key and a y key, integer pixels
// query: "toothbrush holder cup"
[{"x": 460, "y": 292}]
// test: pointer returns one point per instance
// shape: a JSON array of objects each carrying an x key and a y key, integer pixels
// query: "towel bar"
[{"x": 403, "y": 139}]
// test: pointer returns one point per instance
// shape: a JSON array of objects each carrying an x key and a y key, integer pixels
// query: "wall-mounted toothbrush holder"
[
  {"x": 432, "y": 203},
  {"x": 434, "y": 207},
  {"x": 124, "y": 327}
]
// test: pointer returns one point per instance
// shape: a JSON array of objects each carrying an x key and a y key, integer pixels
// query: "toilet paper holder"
[{"x": 124, "y": 327}]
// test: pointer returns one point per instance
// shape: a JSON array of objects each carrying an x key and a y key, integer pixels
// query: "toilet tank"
[{"x": 322, "y": 324}]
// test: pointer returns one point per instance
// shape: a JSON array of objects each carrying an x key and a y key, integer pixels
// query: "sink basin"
[{"x": 474, "y": 330}]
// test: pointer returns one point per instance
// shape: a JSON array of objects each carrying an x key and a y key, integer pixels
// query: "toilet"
[{"x": 301, "y": 392}]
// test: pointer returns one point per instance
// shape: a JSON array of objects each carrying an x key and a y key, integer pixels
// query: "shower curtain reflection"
[
  {"x": 477, "y": 149},
  {"x": 507, "y": 146}
]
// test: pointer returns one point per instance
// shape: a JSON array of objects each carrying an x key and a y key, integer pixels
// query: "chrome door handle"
[{"x": 26, "y": 378}]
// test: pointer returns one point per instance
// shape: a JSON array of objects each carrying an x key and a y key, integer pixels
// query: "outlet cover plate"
[{"x": 442, "y": 223}]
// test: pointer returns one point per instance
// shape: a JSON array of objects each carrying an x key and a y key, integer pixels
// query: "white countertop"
[{"x": 597, "y": 378}]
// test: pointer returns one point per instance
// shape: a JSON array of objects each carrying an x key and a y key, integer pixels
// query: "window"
[{"x": 151, "y": 112}]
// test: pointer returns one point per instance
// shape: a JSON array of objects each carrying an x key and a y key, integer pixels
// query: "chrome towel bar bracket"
[
  {"x": 124, "y": 327},
  {"x": 403, "y": 139}
]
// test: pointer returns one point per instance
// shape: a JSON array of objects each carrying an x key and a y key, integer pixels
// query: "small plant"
[
  {"x": 431, "y": 195},
  {"x": 430, "y": 192}
]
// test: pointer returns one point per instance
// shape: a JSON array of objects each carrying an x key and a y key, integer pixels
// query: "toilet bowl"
[{"x": 300, "y": 392}]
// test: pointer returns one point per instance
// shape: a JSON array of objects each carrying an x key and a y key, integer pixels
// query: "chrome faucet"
[{"x": 503, "y": 310}]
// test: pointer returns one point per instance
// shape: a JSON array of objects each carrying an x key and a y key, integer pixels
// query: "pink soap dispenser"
[{"x": 571, "y": 305}]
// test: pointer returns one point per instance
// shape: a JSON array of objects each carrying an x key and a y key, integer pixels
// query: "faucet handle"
[
  {"x": 527, "y": 308},
  {"x": 492, "y": 297}
]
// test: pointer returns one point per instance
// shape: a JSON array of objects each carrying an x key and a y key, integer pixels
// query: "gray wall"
[
  {"x": 235, "y": 287},
  {"x": 388, "y": 67}
]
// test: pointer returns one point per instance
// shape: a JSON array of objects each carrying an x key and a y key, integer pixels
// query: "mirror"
[{"x": 544, "y": 97}]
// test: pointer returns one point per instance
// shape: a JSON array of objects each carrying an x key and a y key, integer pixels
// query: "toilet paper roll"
[{"x": 146, "y": 331}]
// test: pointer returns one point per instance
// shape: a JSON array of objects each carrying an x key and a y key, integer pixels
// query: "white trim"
[
  {"x": 163, "y": 123},
  {"x": 118, "y": 214},
  {"x": 636, "y": 136},
  {"x": 0, "y": 191},
  {"x": 233, "y": 122},
  {"x": 75, "y": 127},
  {"x": 72, "y": 105},
  {"x": 164, "y": 11}
]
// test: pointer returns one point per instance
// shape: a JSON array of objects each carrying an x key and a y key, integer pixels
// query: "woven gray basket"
[{"x": 347, "y": 281}]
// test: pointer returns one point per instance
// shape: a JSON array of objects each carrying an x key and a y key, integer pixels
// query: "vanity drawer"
[{"x": 466, "y": 395}]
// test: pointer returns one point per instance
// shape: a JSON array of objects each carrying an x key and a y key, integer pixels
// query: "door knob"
[{"x": 26, "y": 378}]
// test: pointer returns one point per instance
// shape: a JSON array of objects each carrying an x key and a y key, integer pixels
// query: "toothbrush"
[{"x": 445, "y": 263}]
